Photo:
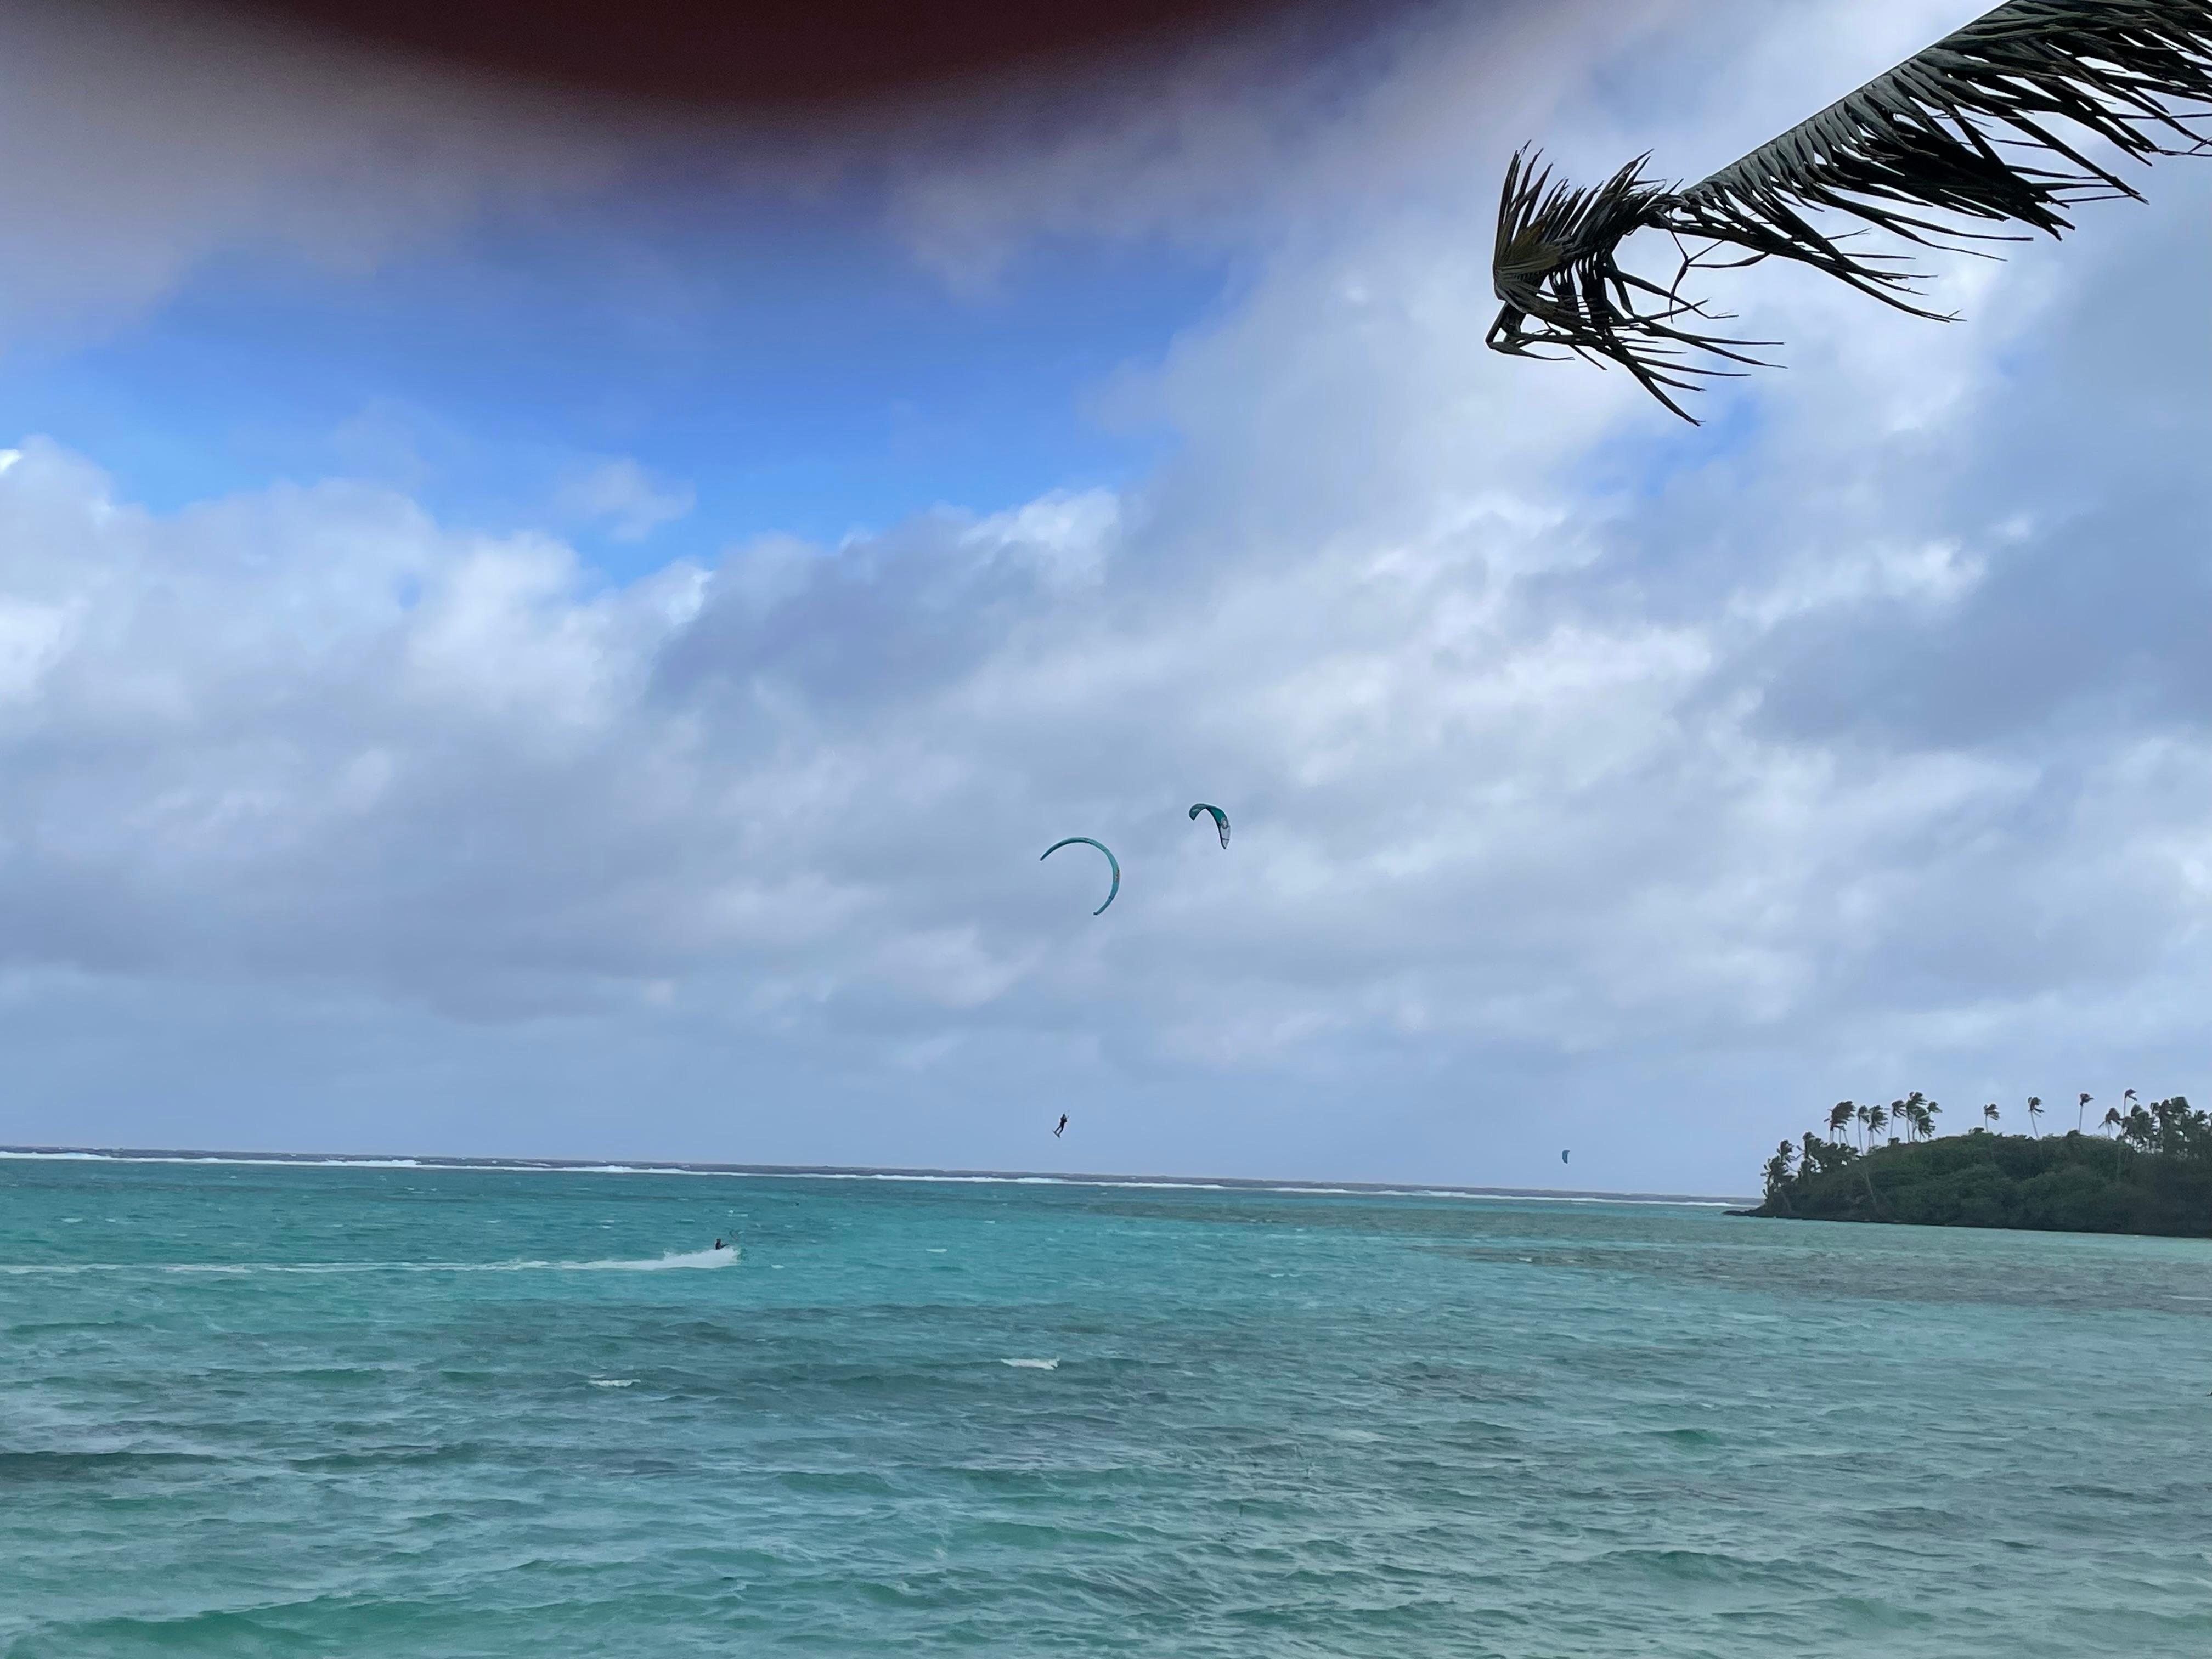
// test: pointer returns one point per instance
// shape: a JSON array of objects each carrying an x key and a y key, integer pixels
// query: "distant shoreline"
[
  {"x": 2158, "y": 1185},
  {"x": 838, "y": 1172}
]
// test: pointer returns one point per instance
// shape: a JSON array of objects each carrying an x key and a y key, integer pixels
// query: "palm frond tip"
[{"x": 1989, "y": 126}]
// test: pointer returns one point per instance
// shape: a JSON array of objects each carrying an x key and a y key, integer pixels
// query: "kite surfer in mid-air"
[{"x": 1060, "y": 1127}]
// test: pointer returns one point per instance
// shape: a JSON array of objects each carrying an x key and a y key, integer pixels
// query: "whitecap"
[
  {"x": 1032, "y": 1364},
  {"x": 614, "y": 1382},
  {"x": 957, "y": 1177}
]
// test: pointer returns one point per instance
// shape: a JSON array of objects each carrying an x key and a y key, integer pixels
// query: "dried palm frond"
[{"x": 1913, "y": 153}]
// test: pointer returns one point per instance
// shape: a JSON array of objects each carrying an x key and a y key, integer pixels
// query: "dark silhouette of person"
[
  {"x": 719, "y": 1245},
  {"x": 1063, "y": 1124}
]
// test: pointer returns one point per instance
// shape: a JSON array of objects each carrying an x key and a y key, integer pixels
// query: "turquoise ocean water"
[{"x": 347, "y": 1412}]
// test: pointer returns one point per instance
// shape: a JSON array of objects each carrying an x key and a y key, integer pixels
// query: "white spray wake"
[{"x": 704, "y": 1259}]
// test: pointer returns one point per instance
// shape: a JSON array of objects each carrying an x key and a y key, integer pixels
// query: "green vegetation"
[{"x": 2151, "y": 1172}]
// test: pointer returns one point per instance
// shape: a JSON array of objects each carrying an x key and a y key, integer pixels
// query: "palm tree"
[
  {"x": 1923, "y": 1117},
  {"x": 2080, "y": 1109},
  {"x": 2168, "y": 1112},
  {"x": 2138, "y": 1126},
  {"x": 1958, "y": 132},
  {"x": 1840, "y": 1116},
  {"x": 1989, "y": 1113},
  {"x": 1877, "y": 1119},
  {"x": 2112, "y": 1119},
  {"x": 2034, "y": 1111},
  {"x": 1778, "y": 1168}
]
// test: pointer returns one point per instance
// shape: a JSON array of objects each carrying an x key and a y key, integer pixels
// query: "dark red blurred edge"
[{"x": 742, "y": 57}]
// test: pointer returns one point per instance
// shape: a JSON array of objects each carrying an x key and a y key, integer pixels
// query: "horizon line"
[{"x": 884, "y": 1172}]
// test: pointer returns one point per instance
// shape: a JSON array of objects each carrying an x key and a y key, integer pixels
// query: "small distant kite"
[
  {"x": 1563, "y": 1157},
  {"x": 1113, "y": 862},
  {"x": 1220, "y": 819},
  {"x": 1967, "y": 131}
]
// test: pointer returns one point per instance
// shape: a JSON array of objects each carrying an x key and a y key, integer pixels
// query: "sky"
[{"x": 534, "y": 628}]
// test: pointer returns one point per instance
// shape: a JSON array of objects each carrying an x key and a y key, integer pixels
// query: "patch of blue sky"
[
  {"x": 798, "y": 372},
  {"x": 1642, "y": 461}
]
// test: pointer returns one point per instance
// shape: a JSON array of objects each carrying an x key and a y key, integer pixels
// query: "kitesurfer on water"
[
  {"x": 719, "y": 1245},
  {"x": 1063, "y": 1125}
]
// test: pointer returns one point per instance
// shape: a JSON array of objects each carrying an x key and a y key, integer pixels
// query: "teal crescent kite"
[
  {"x": 1113, "y": 862},
  {"x": 1220, "y": 819}
]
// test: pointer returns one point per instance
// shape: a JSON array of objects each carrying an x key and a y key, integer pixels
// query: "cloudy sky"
[{"x": 529, "y": 629}]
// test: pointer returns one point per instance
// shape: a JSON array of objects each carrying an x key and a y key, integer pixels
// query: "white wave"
[
  {"x": 34, "y": 1154},
  {"x": 1032, "y": 1364},
  {"x": 724, "y": 1258},
  {"x": 534, "y": 1166},
  {"x": 614, "y": 1382}
]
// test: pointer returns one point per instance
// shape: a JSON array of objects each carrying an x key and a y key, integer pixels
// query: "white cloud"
[
  {"x": 1294, "y": 128},
  {"x": 1596, "y": 781},
  {"x": 624, "y": 497},
  {"x": 143, "y": 139}
]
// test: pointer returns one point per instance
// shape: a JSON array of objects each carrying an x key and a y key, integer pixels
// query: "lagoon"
[{"x": 251, "y": 1408}]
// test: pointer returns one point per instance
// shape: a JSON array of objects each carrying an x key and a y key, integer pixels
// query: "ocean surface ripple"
[{"x": 362, "y": 1410}]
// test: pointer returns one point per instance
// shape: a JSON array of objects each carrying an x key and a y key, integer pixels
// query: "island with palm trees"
[{"x": 2149, "y": 1170}]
